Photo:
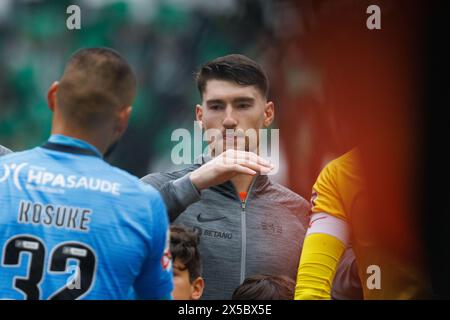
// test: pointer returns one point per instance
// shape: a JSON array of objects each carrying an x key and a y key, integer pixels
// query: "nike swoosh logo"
[{"x": 201, "y": 219}]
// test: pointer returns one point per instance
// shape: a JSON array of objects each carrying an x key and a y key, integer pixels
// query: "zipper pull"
[{"x": 243, "y": 197}]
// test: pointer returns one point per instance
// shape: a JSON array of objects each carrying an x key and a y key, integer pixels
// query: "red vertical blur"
[{"x": 365, "y": 91}]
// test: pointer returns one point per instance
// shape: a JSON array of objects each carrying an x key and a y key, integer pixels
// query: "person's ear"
[
  {"x": 199, "y": 115},
  {"x": 269, "y": 113},
  {"x": 51, "y": 95},
  {"x": 197, "y": 287},
  {"x": 123, "y": 119}
]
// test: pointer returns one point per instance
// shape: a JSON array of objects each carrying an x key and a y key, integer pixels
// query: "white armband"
[{"x": 328, "y": 224}]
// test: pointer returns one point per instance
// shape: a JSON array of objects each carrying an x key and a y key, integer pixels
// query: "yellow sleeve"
[
  {"x": 320, "y": 256},
  {"x": 325, "y": 196}
]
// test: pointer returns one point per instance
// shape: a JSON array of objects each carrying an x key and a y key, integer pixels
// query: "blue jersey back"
[{"x": 72, "y": 226}]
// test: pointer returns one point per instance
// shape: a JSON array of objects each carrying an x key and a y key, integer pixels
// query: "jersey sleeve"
[
  {"x": 178, "y": 193},
  {"x": 325, "y": 196},
  {"x": 156, "y": 278},
  {"x": 320, "y": 257}
]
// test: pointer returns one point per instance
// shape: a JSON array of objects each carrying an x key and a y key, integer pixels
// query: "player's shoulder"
[
  {"x": 284, "y": 193},
  {"x": 132, "y": 181},
  {"x": 138, "y": 192},
  {"x": 287, "y": 198},
  {"x": 340, "y": 167},
  {"x": 4, "y": 151},
  {"x": 20, "y": 156},
  {"x": 343, "y": 161}
]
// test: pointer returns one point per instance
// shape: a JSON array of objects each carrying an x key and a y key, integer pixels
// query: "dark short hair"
[
  {"x": 95, "y": 83},
  {"x": 236, "y": 68},
  {"x": 265, "y": 287},
  {"x": 184, "y": 247}
]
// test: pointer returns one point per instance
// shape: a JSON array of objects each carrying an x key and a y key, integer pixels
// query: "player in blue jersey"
[{"x": 71, "y": 225}]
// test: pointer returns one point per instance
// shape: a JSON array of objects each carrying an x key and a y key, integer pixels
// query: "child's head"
[
  {"x": 187, "y": 266},
  {"x": 265, "y": 287}
]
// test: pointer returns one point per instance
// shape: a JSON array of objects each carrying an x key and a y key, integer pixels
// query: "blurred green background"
[{"x": 165, "y": 41}]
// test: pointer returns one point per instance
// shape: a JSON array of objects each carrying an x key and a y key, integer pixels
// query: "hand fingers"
[
  {"x": 243, "y": 169},
  {"x": 254, "y": 166},
  {"x": 246, "y": 156}
]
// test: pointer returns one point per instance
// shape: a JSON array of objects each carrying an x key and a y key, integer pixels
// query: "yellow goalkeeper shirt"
[{"x": 385, "y": 273}]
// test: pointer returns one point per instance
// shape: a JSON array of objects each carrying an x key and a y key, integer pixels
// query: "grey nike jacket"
[{"x": 261, "y": 235}]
